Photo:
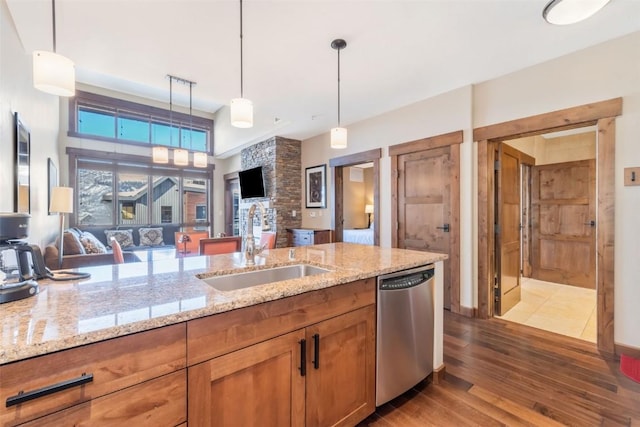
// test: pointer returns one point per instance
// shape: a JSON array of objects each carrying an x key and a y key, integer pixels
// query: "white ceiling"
[{"x": 398, "y": 52}]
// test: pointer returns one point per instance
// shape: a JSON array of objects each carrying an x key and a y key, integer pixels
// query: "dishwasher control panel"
[{"x": 405, "y": 281}]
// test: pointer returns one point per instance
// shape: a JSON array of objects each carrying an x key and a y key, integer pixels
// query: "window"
[
  {"x": 129, "y": 190},
  {"x": 166, "y": 214},
  {"x": 104, "y": 118}
]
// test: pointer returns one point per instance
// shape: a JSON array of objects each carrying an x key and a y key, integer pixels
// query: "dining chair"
[
  {"x": 118, "y": 256},
  {"x": 220, "y": 245}
]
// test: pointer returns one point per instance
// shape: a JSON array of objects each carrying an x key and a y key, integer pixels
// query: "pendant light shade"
[
  {"x": 241, "y": 113},
  {"x": 180, "y": 157},
  {"x": 53, "y": 73},
  {"x": 241, "y": 108},
  {"x": 339, "y": 138},
  {"x": 338, "y": 134},
  {"x": 160, "y": 155},
  {"x": 565, "y": 12},
  {"x": 200, "y": 159}
]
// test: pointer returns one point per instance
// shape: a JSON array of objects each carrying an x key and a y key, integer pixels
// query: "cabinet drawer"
[
  {"x": 115, "y": 364},
  {"x": 302, "y": 238},
  {"x": 159, "y": 402}
]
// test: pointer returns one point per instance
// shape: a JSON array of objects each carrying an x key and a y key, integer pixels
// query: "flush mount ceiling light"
[
  {"x": 565, "y": 12},
  {"x": 241, "y": 108},
  {"x": 53, "y": 73},
  {"x": 338, "y": 134}
]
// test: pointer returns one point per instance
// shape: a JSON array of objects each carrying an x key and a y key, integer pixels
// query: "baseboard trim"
[
  {"x": 629, "y": 351},
  {"x": 467, "y": 311},
  {"x": 439, "y": 374}
]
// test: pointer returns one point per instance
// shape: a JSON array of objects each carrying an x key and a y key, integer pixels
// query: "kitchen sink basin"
[{"x": 232, "y": 282}]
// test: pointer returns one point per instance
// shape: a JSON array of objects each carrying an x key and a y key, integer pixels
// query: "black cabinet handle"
[
  {"x": 445, "y": 228},
  {"x": 316, "y": 351},
  {"x": 303, "y": 357},
  {"x": 23, "y": 396}
]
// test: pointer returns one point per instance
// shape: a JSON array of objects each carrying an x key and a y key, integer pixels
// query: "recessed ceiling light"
[{"x": 565, "y": 12}]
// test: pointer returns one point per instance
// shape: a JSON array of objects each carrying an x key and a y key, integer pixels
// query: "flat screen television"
[{"x": 251, "y": 183}]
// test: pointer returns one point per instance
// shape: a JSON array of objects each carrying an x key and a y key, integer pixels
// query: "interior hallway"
[{"x": 563, "y": 309}]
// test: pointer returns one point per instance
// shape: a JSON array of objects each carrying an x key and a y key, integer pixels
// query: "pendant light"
[
  {"x": 338, "y": 134},
  {"x": 200, "y": 159},
  {"x": 241, "y": 108},
  {"x": 564, "y": 12},
  {"x": 161, "y": 153},
  {"x": 53, "y": 73}
]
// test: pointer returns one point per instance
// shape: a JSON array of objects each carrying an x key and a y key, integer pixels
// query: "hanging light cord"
[
  {"x": 53, "y": 14},
  {"x": 338, "y": 87},
  {"x": 191, "y": 115},
  {"x": 170, "y": 111},
  {"x": 241, "y": 64}
]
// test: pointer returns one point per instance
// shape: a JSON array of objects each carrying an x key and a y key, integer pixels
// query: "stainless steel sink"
[{"x": 232, "y": 282}]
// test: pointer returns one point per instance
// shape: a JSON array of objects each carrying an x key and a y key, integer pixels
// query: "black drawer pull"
[
  {"x": 316, "y": 351},
  {"x": 22, "y": 396},
  {"x": 303, "y": 357}
]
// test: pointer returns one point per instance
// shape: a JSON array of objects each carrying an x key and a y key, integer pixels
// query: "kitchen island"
[{"x": 157, "y": 326}]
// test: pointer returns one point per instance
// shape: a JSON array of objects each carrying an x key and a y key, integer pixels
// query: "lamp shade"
[
  {"x": 160, "y": 155},
  {"x": 200, "y": 160},
  {"x": 241, "y": 113},
  {"x": 53, "y": 73},
  {"x": 180, "y": 157},
  {"x": 564, "y": 12},
  {"x": 339, "y": 138},
  {"x": 368, "y": 209},
  {"x": 61, "y": 200}
]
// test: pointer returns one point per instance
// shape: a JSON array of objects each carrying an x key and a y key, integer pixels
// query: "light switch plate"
[{"x": 631, "y": 176}]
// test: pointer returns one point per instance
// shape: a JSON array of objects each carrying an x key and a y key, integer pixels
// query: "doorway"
[
  {"x": 425, "y": 192},
  {"x": 545, "y": 206},
  {"x": 232, "y": 204},
  {"x": 603, "y": 116},
  {"x": 340, "y": 167}
]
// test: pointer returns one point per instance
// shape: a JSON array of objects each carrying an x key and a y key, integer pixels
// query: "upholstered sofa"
[{"x": 89, "y": 246}]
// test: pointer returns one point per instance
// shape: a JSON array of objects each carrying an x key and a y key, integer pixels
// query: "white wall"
[
  {"x": 39, "y": 111},
  {"x": 599, "y": 73},
  {"x": 223, "y": 167}
]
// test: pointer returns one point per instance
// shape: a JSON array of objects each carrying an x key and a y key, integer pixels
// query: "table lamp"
[
  {"x": 368, "y": 209},
  {"x": 61, "y": 203}
]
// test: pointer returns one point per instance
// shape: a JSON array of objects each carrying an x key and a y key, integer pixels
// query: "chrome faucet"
[{"x": 250, "y": 250}]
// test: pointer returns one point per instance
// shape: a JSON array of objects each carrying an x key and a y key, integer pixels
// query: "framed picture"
[
  {"x": 315, "y": 186},
  {"x": 52, "y": 173},
  {"x": 23, "y": 171}
]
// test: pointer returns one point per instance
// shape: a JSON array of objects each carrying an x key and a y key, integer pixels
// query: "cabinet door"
[
  {"x": 341, "y": 381},
  {"x": 259, "y": 385}
]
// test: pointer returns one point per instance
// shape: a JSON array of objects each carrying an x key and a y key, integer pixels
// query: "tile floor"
[{"x": 566, "y": 310}]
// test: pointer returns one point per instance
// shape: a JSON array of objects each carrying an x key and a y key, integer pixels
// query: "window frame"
[
  {"x": 121, "y": 108},
  {"x": 118, "y": 163}
]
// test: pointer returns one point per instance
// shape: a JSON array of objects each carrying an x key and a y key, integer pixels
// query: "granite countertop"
[{"x": 122, "y": 299}]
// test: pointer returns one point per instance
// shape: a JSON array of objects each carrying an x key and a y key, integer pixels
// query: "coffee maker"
[{"x": 16, "y": 278}]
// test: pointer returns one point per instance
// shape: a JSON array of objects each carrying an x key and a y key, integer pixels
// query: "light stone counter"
[{"x": 122, "y": 299}]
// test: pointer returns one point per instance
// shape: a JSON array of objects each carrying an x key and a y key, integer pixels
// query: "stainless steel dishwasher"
[{"x": 404, "y": 344}]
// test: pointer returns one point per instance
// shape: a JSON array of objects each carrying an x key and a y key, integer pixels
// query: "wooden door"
[
  {"x": 341, "y": 385},
  {"x": 232, "y": 207},
  {"x": 563, "y": 215},
  {"x": 259, "y": 385},
  {"x": 424, "y": 206},
  {"x": 508, "y": 213}
]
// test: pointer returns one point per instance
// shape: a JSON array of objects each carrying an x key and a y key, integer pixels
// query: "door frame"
[
  {"x": 228, "y": 202},
  {"x": 603, "y": 114},
  {"x": 337, "y": 165},
  {"x": 452, "y": 140}
]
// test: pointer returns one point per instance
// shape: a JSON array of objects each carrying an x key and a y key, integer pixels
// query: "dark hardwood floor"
[{"x": 501, "y": 373}]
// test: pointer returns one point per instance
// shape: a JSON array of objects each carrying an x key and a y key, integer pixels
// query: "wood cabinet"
[
  {"x": 304, "y": 360},
  {"x": 101, "y": 382},
  {"x": 308, "y": 236}
]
